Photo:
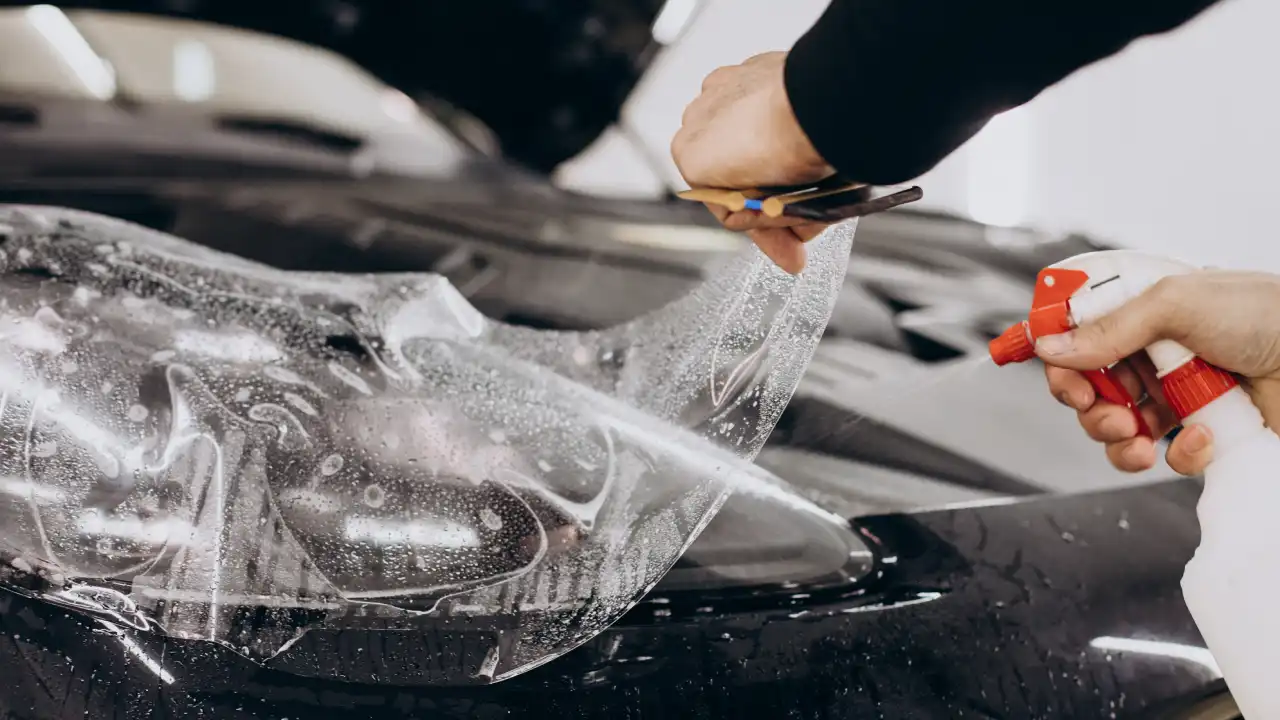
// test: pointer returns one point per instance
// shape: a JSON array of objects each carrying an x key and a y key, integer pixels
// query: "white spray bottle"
[{"x": 1231, "y": 583}]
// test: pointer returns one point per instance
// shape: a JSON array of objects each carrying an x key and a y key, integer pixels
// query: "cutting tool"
[{"x": 829, "y": 200}]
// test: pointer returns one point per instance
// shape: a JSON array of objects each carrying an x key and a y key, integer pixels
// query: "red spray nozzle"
[{"x": 1013, "y": 346}]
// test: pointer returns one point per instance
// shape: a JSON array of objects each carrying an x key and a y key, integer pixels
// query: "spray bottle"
[{"x": 1230, "y": 585}]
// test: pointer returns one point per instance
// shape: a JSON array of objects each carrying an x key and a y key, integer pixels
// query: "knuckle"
[
  {"x": 1059, "y": 379},
  {"x": 678, "y": 156},
  {"x": 741, "y": 222},
  {"x": 1115, "y": 424},
  {"x": 1171, "y": 288},
  {"x": 1165, "y": 290},
  {"x": 765, "y": 56},
  {"x": 1120, "y": 456},
  {"x": 678, "y": 144},
  {"x": 1108, "y": 334},
  {"x": 1106, "y": 326},
  {"x": 1093, "y": 426},
  {"x": 686, "y": 117},
  {"x": 1168, "y": 297},
  {"x": 1115, "y": 455},
  {"x": 715, "y": 77}
]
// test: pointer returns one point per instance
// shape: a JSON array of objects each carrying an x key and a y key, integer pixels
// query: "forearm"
[{"x": 885, "y": 89}]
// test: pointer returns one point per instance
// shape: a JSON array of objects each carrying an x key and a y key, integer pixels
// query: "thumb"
[{"x": 1113, "y": 337}]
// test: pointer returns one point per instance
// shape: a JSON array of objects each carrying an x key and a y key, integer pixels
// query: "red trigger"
[
  {"x": 1056, "y": 285},
  {"x": 1050, "y": 309},
  {"x": 1112, "y": 391}
]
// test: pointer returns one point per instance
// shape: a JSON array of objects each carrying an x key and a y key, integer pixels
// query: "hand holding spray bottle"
[{"x": 1230, "y": 584}]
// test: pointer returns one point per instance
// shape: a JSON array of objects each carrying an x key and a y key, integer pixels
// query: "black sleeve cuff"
[
  {"x": 877, "y": 114},
  {"x": 886, "y": 89}
]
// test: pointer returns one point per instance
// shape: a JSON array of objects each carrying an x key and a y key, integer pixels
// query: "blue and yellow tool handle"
[{"x": 830, "y": 200}]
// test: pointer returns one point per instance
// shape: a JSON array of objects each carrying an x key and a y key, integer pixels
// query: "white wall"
[{"x": 1173, "y": 145}]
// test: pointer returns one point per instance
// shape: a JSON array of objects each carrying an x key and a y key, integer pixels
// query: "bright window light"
[
  {"x": 194, "y": 74},
  {"x": 57, "y": 29},
  {"x": 672, "y": 20}
]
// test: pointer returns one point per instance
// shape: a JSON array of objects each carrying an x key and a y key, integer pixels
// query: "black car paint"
[
  {"x": 1018, "y": 589},
  {"x": 980, "y": 612},
  {"x": 983, "y": 612}
]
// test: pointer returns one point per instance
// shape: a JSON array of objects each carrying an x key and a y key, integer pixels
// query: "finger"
[
  {"x": 1069, "y": 387},
  {"x": 1146, "y": 370},
  {"x": 1129, "y": 379},
  {"x": 1116, "y": 335},
  {"x": 1110, "y": 423},
  {"x": 1133, "y": 455},
  {"x": 1190, "y": 452},
  {"x": 781, "y": 246},
  {"x": 695, "y": 116},
  {"x": 1074, "y": 390},
  {"x": 689, "y": 127},
  {"x": 1160, "y": 418},
  {"x": 721, "y": 212},
  {"x": 684, "y": 151},
  {"x": 751, "y": 220},
  {"x": 719, "y": 76},
  {"x": 1265, "y": 393},
  {"x": 809, "y": 231}
]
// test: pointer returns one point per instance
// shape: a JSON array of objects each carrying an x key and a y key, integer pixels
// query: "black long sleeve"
[{"x": 886, "y": 89}]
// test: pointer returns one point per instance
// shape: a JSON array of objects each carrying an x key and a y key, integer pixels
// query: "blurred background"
[{"x": 1169, "y": 146}]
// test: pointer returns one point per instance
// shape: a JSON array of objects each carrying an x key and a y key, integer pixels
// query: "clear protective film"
[{"x": 198, "y": 445}]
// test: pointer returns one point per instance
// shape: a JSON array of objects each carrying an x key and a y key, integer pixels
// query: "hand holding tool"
[
  {"x": 829, "y": 200},
  {"x": 1231, "y": 583},
  {"x": 1086, "y": 287}
]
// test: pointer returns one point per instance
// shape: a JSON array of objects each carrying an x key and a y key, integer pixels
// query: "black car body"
[{"x": 999, "y": 568}]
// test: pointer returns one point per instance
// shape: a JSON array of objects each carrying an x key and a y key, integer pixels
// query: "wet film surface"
[{"x": 197, "y": 445}]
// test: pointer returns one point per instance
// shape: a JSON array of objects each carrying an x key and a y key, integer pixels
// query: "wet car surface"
[
  {"x": 993, "y": 612},
  {"x": 995, "y": 566}
]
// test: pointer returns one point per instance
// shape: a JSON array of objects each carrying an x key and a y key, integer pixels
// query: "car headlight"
[{"x": 228, "y": 452}]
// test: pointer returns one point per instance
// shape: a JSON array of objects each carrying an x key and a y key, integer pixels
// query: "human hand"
[
  {"x": 741, "y": 133},
  {"x": 1230, "y": 319}
]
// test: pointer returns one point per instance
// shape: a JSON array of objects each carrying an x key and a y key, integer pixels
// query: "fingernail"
[
  {"x": 1197, "y": 439},
  {"x": 1056, "y": 344}
]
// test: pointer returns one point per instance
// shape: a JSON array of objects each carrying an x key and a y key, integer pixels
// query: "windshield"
[{"x": 211, "y": 448}]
